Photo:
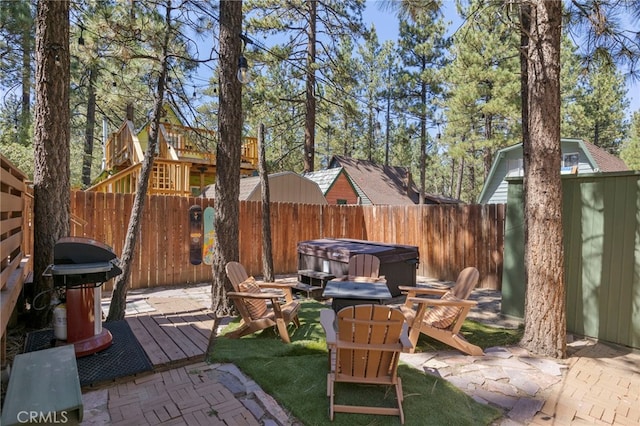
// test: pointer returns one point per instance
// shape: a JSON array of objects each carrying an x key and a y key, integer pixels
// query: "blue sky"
[{"x": 387, "y": 27}]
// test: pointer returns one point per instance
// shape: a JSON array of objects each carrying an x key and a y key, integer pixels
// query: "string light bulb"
[
  {"x": 243, "y": 70},
  {"x": 243, "y": 66}
]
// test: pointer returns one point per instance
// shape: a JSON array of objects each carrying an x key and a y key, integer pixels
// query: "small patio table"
[{"x": 349, "y": 293}]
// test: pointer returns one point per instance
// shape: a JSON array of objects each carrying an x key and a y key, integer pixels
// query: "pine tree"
[
  {"x": 421, "y": 50},
  {"x": 227, "y": 187},
  {"x": 545, "y": 320},
  {"x": 16, "y": 48},
  {"x": 51, "y": 189},
  {"x": 314, "y": 28},
  {"x": 483, "y": 105},
  {"x": 630, "y": 151}
]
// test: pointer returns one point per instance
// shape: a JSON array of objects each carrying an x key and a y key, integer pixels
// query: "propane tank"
[{"x": 60, "y": 321}]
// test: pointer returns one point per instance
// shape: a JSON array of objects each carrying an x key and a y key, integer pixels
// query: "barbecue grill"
[{"x": 81, "y": 266}]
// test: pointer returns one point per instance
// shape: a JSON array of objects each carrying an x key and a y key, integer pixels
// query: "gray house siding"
[{"x": 495, "y": 188}]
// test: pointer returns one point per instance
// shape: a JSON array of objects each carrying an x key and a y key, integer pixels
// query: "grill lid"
[
  {"x": 81, "y": 250},
  {"x": 79, "y": 261}
]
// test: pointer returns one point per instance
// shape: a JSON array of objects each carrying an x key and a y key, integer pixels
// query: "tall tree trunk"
[
  {"x": 310, "y": 97},
  {"x": 119, "y": 295},
  {"x": 460, "y": 178},
  {"x": 487, "y": 156},
  {"x": 90, "y": 125},
  {"x": 371, "y": 134},
  {"x": 227, "y": 189},
  {"x": 388, "y": 114},
  {"x": 267, "y": 254},
  {"x": 25, "y": 112},
  {"x": 545, "y": 320},
  {"x": 423, "y": 139},
  {"x": 345, "y": 141},
  {"x": 51, "y": 188}
]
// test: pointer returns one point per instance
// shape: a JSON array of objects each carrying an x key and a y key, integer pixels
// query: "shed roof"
[
  {"x": 284, "y": 187},
  {"x": 324, "y": 178},
  {"x": 600, "y": 160}
]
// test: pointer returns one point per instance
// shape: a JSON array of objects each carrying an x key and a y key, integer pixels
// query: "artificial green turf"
[{"x": 296, "y": 376}]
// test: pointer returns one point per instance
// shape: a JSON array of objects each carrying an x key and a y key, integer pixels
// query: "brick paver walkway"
[
  {"x": 602, "y": 386},
  {"x": 199, "y": 394}
]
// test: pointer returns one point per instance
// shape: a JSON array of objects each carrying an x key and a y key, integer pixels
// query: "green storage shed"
[{"x": 601, "y": 215}]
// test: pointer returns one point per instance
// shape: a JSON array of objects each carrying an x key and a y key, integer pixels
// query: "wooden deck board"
[
  {"x": 204, "y": 324},
  {"x": 177, "y": 336},
  {"x": 187, "y": 324},
  {"x": 152, "y": 349},
  {"x": 177, "y": 331},
  {"x": 169, "y": 347}
]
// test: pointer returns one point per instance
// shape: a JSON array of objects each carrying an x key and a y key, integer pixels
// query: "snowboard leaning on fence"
[
  {"x": 209, "y": 235},
  {"x": 195, "y": 235}
]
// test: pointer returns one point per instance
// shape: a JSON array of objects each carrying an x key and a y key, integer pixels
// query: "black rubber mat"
[{"x": 125, "y": 357}]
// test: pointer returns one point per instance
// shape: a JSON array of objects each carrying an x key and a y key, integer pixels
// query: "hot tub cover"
[{"x": 341, "y": 249}]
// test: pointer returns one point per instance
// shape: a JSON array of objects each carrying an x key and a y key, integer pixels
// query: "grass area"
[
  {"x": 477, "y": 333},
  {"x": 296, "y": 375}
]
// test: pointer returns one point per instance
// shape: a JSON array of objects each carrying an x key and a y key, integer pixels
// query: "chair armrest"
[
  {"x": 423, "y": 290},
  {"x": 407, "y": 346},
  {"x": 263, "y": 295},
  {"x": 281, "y": 286},
  {"x": 359, "y": 279},
  {"x": 284, "y": 287},
  {"x": 327, "y": 321},
  {"x": 440, "y": 302}
]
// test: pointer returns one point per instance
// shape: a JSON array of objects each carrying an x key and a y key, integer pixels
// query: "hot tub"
[{"x": 398, "y": 263}]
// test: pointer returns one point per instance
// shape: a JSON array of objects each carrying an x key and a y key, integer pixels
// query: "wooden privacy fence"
[
  {"x": 15, "y": 242},
  {"x": 449, "y": 237}
]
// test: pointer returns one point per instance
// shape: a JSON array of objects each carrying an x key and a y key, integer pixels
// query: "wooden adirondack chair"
[
  {"x": 365, "y": 342},
  {"x": 441, "y": 318},
  {"x": 364, "y": 265},
  {"x": 250, "y": 299}
]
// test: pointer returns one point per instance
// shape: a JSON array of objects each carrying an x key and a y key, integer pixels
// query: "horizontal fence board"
[
  {"x": 449, "y": 237},
  {"x": 10, "y": 202},
  {"x": 12, "y": 177},
  {"x": 16, "y": 242}
]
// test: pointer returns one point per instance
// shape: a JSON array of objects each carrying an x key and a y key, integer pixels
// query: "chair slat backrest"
[
  {"x": 368, "y": 341},
  {"x": 364, "y": 265},
  {"x": 467, "y": 280},
  {"x": 236, "y": 273}
]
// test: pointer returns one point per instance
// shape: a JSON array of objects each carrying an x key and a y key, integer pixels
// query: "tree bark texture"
[
  {"x": 310, "y": 98},
  {"x": 90, "y": 125},
  {"x": 227, "y": 187},
  {"x": 267, "y": 253},
  {"x": 423, "y": 138},
  {"x": 25, "y": 113},
  {"x": 545, "y": 321},
  {"x": 52, "y": 192},
  {"x": 119, "y": 296}
]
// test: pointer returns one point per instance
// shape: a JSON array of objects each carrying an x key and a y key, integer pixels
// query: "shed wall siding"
[{"x": 601, "y": 220}]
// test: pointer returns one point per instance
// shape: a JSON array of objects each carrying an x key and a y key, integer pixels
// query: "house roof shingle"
[
  {"x": 605, "y": 161},
  {"x": 383, "y": 185}
]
